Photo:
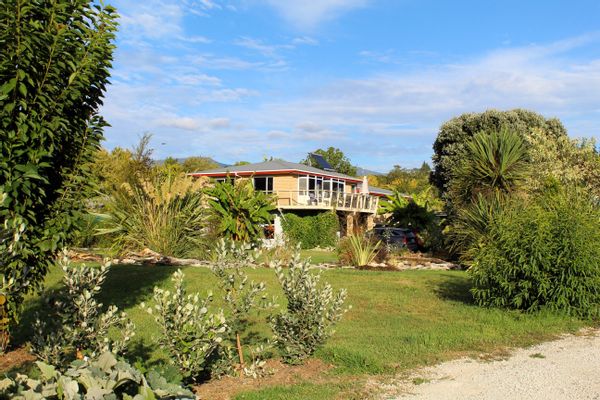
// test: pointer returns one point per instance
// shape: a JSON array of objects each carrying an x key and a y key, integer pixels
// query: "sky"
[{"x": 248, "y": 79}]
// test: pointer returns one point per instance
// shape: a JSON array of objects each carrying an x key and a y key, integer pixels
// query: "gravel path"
[{"x": 565, "y": 369}]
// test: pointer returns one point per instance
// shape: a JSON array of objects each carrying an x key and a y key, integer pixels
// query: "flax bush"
[
  {"x": 312, "y": 311},
  {"x": 76, "y": 326},
  {"x": 358, "y": 250},
  {"x": 166, "y": 213},
  {"x": 189, "y": 332}
]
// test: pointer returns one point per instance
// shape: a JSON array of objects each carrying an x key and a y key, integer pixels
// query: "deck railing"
[{"x": 326, "y": 199}]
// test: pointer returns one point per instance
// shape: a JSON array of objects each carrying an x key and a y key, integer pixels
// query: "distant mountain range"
[
  {"x": 181, "y": 160},
  {"x": 363, "y": 171}
]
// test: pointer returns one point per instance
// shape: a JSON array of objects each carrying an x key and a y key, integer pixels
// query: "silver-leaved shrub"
[
  {"x": 76, "y": 326},
  {"x": 242, "y": 297},
  {"x": 189, "y": 332},
  {"x": 312, "y": 311}
]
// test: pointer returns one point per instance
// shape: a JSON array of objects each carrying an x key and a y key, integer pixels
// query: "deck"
[{"x": 326, "y": 200}]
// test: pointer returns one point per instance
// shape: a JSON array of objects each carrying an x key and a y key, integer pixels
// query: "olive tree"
[{"x": 54, "y": 68}]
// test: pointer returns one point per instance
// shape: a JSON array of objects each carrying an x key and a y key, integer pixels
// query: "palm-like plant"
[
  {"x": 494, "y": 168},
  {"x": 416, "y": 210},
  {"x": 495, "y": 162},
  {"x": 240, "y": 210}
]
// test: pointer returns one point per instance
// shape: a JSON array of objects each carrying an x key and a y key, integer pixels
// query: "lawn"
[{"x": 398, "y": 321}]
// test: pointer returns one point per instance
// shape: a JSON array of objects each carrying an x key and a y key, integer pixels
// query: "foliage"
[
  {"x": 189, "y": 332},
  {"x": 404, "y": 180},
  {"x": 76, "y": 326},
  {"x": 574, "y": 162},
  {"x": 101, "y": 378},
  {"x": 166, "y": 214},
  {"x": 450, "y": 145},
  {"x": 54, "y": 68},
  {"x": 123, "y": 166},
  {"x": 542, "y": 255},
  {"x": 320, "y": 230},
  {"x": 195, "y": 164},
  {"x": 241, "y": 296},
  {"x": 494, "y": 169},
  {"x": 336, "y": 158},
  {"x": 493, "y": 163},
  {"x": 470, "y": 225},
  {"x": 358, "y": 250},
  {"x": 312, "y": 311},
  {"x": 239, "y": 209},
  {"x": 4, "y": 320},
  {"x": 408, "y": 211},
  {"x": 418, "y": 212}
]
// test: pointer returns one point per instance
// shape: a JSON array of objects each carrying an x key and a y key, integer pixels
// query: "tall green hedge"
[{"x": 312, "y": 231}]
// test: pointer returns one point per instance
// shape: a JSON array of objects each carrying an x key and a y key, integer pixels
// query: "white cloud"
[
  {"x": 308, "y": 14},
  {"x": 194, "y": 79},
  {"x": 261, "y": 47},
  {"x": 379, "y": 119},
  {"x": 193, "y": 124},
  {"x": 305, "y": 40}
]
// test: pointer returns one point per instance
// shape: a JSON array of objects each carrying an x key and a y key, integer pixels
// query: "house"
[{"x": 306, "y": 190}]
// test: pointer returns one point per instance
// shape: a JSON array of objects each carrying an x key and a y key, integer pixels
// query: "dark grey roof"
[
  {"x": 373, "y": 189},
  {"x": 273, "y": 166}
]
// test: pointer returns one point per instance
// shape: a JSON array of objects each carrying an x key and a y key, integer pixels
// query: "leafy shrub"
[
  {"x": 189, "y": 332},
  {"x": 358, "y": 250},
  {"x": 312, "y": 231},
  {"x": 102, "y": 378},
  {"x": 312, "y": 311},
  {"x": 239, "y": 210},
  {"x": 54, "y": 68},
  {"x": 166, "y": 213},
  {"x": 76, "y": 324},
  {"x": 241, "y": 296},
  {"x": 544, "y": 254}
]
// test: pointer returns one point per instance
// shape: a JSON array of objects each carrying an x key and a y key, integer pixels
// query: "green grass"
[
  {"x": 300, "y": 391},
  {"x": 398, "y": 320},
  {"x": 320, "y": 256}
]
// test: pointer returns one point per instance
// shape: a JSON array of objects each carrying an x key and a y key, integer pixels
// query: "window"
[
  {"x": 263, "y": 183},
  {"x": 303, "y": 185}
]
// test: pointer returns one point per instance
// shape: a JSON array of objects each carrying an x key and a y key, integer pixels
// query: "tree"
[
  {"x": 408, "y": 180},
  {"x": 54, "y": 68},
  {"x": 573, "y": 162},
  {"x": 195, "y": 164},
  {"x": 449, "y": 147},
  {"x": 336, "y": 158}
]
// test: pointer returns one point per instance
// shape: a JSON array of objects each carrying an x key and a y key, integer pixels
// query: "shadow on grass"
[
  {"x": 129, "y": 285},
  {"x": 454, "y": 288},
  {"x": 125, "y": 286}
]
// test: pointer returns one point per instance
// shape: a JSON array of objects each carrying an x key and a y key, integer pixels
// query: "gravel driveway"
[{"x": 565, "y": 369}]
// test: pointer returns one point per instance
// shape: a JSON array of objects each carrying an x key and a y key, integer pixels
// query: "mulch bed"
[
  {"x": 15, "y": 359},
  {"x": 313, "y": 370}
]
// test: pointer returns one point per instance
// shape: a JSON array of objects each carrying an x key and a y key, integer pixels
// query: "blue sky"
[{"x": 247, "y": 79}]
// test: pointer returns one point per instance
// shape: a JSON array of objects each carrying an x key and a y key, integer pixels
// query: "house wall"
[{"x": 286, "y": 187}]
